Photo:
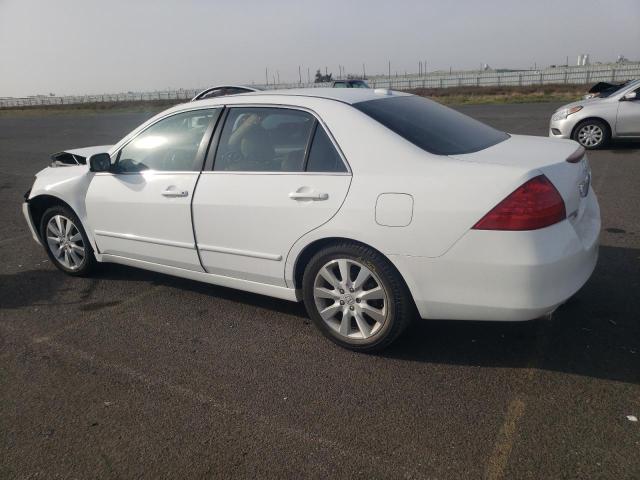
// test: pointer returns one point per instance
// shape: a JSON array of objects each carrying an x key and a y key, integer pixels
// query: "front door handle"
[
  {"x": 169, "y": 192},
  {"x": 308, "y": 196}
]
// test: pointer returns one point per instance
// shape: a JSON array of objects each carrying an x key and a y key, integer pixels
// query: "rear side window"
[
  {"x": 431, "y": 126},
  {"x": 323, "y": 156},
  {"x": 264, "y": 139}
]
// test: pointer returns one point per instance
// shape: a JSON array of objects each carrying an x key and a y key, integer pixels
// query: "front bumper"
[
  {"x": 562, "y": 128},
  {"x": 32, "y": 227},
  {"x": 510, "y": 276}
]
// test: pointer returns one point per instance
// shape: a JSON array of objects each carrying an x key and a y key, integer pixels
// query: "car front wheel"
[
  {"x": 591, "y": 134},
  {"x": 66, "y": 242},
  {"x": 356, "y": 297}
]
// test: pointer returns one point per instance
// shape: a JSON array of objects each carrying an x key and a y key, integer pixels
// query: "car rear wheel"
[
  {"x": 356, "y": 298},
  {"x": 591, "y": 134},
  {"x": 66, "y": 242}
]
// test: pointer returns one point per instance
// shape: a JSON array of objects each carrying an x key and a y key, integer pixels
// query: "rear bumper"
[
  {"x": 510, "y": 276},
  {"x": 32, "y": 227}
]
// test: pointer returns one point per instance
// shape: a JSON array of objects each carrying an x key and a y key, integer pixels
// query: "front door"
[
  {"x": 276, "y": 175},
  {"x": 628, "y": 121},
  {"x": 142, "y": 208}
]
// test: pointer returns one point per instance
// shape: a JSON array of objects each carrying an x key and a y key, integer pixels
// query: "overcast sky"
[{"x": 85, "y": 46}]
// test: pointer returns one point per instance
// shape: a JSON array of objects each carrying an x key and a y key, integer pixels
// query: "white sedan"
[{"x": 370, "y": 206}]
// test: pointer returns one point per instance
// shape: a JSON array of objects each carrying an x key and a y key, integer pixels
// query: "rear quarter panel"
[{"x": 450, "y": 195}]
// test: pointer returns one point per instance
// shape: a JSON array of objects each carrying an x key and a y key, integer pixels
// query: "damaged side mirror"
[{"x": 100, "y": 162}]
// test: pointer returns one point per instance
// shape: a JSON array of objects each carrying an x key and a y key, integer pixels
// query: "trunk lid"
[{"x": 547, "y": 156}]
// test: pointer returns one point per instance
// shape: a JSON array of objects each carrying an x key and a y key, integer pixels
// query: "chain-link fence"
[{"x": 559, "y": 75}]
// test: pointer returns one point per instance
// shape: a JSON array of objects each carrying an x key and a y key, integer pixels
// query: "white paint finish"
[
  {"x": 248, "y": 286},
  {"x": 492, "y": 275},
  {"x": 242, "y": 253},
  {"x": 69, "y": 184},
  {"x": 32, "y": 227},
  {"x": 142, "y": 223},
  {"x": 138, "y": 238},
  {"x": 88, "y": 151},
  {"x": 252, "y": 232},
  {"x": 247, "y": 220},
  {"x": 394, "y": 209}
]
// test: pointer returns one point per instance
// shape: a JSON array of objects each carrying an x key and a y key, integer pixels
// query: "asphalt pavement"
[{"x": 132, "y": 374}]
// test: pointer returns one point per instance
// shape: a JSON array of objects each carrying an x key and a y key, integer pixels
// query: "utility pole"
[
  {"x": 308, "y": 75},
  {"x": 299, "y": 75},
  {"x": 266, "y": 75},
  {"x": 278, "y": 72},
  {"x": 389, "y": 72},
  {"x": 364, "y": 72}
]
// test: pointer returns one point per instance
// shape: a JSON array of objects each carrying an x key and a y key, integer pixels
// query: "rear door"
[
  {"x": 275, "y": 175},
  {"x": 142, "y": 208}
]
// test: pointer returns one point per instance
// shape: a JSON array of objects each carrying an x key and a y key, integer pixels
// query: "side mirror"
[
  {"x": 630, "y": 96},
  {"x": 100, "y": 162}
]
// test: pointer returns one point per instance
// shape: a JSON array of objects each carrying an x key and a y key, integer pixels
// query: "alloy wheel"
[
  {"x": 350, "y": 298},
  {"x": 65, "y": 242},
  {"x": 590, "y": 135}
]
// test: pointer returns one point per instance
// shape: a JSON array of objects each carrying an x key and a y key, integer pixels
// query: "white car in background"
[
  {"x": 368, "y": 205},
  {"x": 223, "y": 90}
]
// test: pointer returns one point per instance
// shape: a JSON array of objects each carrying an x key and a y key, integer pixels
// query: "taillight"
[{"x": 536, "y": 204}]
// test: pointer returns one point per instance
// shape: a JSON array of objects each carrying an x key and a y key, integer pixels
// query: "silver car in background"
[{"x": 595, "y": 121}]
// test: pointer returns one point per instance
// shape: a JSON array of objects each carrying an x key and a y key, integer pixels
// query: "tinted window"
[
  {"x": 431, "y": 126},
  {"x": 339, "y": 85},
  {"x": 171, "y": 144},
  {"x": 323, "y": 156},
  {"x": 264, "y": 140},
  {"x": 359, "y": 84}
]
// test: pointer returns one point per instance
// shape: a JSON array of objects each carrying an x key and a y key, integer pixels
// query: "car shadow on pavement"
[
  {"x": 622, "y": 146},
  {"x": 595, "y": 334}
]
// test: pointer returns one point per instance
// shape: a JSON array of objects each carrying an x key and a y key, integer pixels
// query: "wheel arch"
[
  {"x": 40, "y": 203},
  {"x": 315, "y": 246},
  {"x": 600, "y": 119}
]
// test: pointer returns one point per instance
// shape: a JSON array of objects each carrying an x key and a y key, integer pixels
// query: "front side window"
[
  {"x": 431, "y": 126},
  {"x": 172, "y": 144},
  {"x": 264, "y": 140}
]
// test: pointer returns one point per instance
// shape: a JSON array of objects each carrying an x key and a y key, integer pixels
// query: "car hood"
[
  {"x": 582, "y": 103},
  {"x": 77, "y": 156}
]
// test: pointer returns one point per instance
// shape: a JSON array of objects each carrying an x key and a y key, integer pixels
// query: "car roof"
[{"x": 344, "y": 95}]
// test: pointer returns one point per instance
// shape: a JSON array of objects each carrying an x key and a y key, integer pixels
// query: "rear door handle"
[
  {"x": 308, "y": 196},
  {"x": 169, "y": 192}
]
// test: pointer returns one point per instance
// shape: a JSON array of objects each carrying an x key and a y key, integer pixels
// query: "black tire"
[
  {"x": 88, "y": 263},
  {"x": 400, "y": 308},
  {"x": 579, "y": 134}
]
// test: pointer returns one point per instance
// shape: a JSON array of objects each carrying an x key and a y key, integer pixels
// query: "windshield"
[{"x": 431, "y": 126}]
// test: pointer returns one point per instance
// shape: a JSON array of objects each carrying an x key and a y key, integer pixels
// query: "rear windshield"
[{"x": 431, "y": 126}]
